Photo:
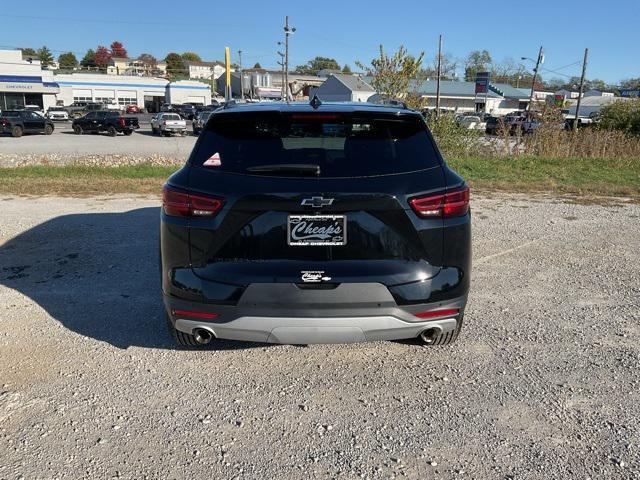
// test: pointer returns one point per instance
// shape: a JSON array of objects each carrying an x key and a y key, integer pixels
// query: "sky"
[{"x": 346, "y": 30}]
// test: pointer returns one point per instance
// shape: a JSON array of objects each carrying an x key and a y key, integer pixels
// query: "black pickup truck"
[
  {"x": 17, "y": 122},
  {"x": 105, "y": 121}
]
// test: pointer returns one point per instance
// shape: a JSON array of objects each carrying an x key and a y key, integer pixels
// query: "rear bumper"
[{"x": 284, "y": 313}]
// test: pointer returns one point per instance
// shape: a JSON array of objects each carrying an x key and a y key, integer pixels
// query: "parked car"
[
  {"x": 199, "y": 121},
  {"x": 105, "y": 121},
  {"x": 132, "y": 109},
  {"x": 19, "y": 122},
  {"x": 492, "y": 125},
  {"x": 167, "y": 123},
  {"x": 79, "y": 109},
  {"x": 35, "y": 108},
  {"x": 187, "y": 111},
  {"x": 294, "y": 224},
  {"x": 169, "y": 107},
  {"x": 57, "y": 113},
  {"x": 471, "y": 122}
]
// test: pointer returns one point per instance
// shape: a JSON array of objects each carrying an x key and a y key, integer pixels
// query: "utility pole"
[
  {"x": 584, "y": 71},
  {"x": 535, "y": 75},
  {"x": 241, "y": 74},
  {"x": 281, "y": 63},
  {"x": 439, "y": 75},
  {"x": 287, "y": 31}
]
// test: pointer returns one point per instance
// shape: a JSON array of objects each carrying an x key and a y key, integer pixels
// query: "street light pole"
[
  {"x": 241, "y": 75},
  {"x": 287, "y": 31}
]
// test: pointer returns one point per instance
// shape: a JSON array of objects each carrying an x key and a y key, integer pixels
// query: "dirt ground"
[{"x": 543, "y": 383}]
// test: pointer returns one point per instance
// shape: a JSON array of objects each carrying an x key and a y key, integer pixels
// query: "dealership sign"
[
  {"x": 28, "y": 87},
  {"x": 482, "y": 82},
  {"x": 628, "y": 92}
]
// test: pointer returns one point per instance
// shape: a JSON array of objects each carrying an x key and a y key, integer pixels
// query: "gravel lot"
[{"x": 543, "y": 384}]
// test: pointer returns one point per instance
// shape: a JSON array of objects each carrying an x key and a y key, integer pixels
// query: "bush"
[
  {"x": 622, "y": 115},
  {"x": 454, "y": 140}
]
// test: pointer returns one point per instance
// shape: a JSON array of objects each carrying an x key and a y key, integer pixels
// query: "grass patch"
[{"x": 580, "y": 176}]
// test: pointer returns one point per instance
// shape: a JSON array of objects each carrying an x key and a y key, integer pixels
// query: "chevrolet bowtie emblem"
[{"x": 316, "y": 202}]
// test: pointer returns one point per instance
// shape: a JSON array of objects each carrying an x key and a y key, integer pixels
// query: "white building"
[
  {"x": 343, "y": 88},
  {"x": 205, "y": 70},
  {"x": 145, "y": 92},
  {"x": 24, "y": 82}
]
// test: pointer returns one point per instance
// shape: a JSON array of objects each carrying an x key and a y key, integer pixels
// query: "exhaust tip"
[
  {"x": 429, "y": 335},
  {"x": 203, "y": 336}
]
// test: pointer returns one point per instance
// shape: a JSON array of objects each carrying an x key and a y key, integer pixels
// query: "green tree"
[
  {"x": 393, "y": 75},
  {"x": 257, "y": 65},
  {"x": 191, "y": 57},
  {"x": 346, "y": 69},
  {"x": 67, "y": 61},
  {"x": 312, "y": 67},
  {"x": 89, "y": 59},
  {"x": 477, "y": 61},
  {"x": 46, "y": 58},
  {"x": 631, "y": 83},
  {"x": 175, "y": 65},
  {"x": 29, "y": 52}
]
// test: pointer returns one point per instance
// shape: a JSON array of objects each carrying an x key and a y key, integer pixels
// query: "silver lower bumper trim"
[{"x": 302, "y": 330}]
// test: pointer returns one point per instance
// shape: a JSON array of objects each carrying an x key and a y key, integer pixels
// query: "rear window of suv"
[{"x": 340, "y": 144}]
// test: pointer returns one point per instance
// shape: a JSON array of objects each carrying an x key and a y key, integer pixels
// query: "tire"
[
  {"x": 447, "y": 338},
  {"x": 77, "y": 129},
  {"x": 48, "y": 130},
  {"x": 16, "y": 131},
  {"x": 111, "y": 131},
  {"x": 181, "y": 338},
  {"x": 128, "y": 132}
]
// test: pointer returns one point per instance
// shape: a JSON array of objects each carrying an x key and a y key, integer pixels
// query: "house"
[
  {"x": 136, "y": 67},
  {"x": 205, "y": 70},
  {"x": 500, "y": 98},
  {"x": 597, "y": 93},
  {"x": 262, "y": 83},
  {"x": 341, "y": 87}
]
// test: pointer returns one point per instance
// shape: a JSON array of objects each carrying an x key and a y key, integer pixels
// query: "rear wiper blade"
[{"x": 302, "y": 168}]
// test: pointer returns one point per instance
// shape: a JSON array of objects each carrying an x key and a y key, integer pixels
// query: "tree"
[
  {"x": 148, "y": 59},
  {"x": 29, "y": 52},
  {"x": 102, "y": 56},
  {"x": 118, "y": 50},
  {"x": 448, "y": 67},
  {"x": 312, "y": 67},
  {"x": 392, "y": 75},
  {"x": 46, "y": 58},
  {"x": 346, "y": 69},
  {"x": 175, "y": 65},
  {"x": 257, "y": 65},
  {"x": 89, "y": 59},
  {"x": 631, "y": 83},
  {"x": 67, "y": 61},
  {"x": 477, "y": 61},
  {"x": 191, "y": 57}
]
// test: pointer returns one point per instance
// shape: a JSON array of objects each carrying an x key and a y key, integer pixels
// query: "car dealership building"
[{"x": 23, "y": 81}]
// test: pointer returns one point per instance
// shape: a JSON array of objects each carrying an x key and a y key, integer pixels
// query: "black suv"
[
  {"x": 18, "y": 122},
  {"x": 333, "y": 223}
]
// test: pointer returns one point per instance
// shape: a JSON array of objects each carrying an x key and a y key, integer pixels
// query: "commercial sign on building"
[
  {"x": 629, "y": 92},
  {"x": 482, "y": 82}
]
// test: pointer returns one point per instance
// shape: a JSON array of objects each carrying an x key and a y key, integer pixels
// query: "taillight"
[
  {"x": 121, "y": 121},
  {"x": 443, "y": 205},
  {"x": 431, "y": 314},
  {"x": 179, "y": 203}
]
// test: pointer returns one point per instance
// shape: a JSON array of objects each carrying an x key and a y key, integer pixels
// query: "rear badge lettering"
[
  {"x": 213, "y": 161},
  {"x": 314, "y": 276}
]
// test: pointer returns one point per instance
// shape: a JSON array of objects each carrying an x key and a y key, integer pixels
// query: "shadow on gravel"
[{"x": 97, "y": 274}]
